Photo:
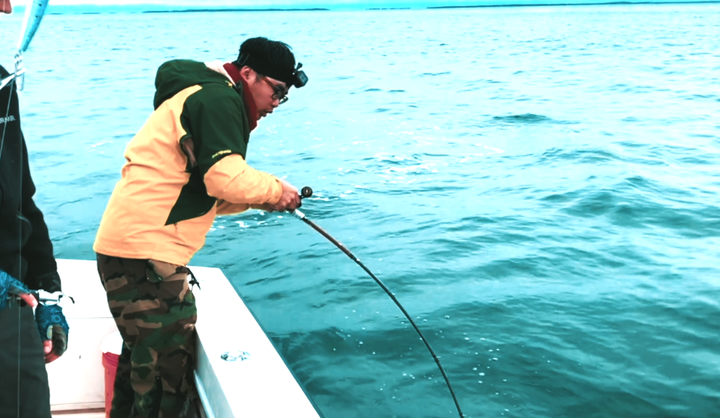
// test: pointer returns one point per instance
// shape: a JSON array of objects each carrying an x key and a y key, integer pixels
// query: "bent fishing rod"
[{"x": 307, "y": 192}]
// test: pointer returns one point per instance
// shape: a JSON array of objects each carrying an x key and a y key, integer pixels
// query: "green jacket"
[{"x": 185, "y": 166}]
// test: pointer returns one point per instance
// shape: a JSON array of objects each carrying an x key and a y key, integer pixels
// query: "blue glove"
[
  {"x": 10, "y": 286},
  {"x": 52, "y": 325}
]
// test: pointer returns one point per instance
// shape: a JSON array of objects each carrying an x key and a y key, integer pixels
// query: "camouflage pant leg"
[{"x": 155, "y": 312}]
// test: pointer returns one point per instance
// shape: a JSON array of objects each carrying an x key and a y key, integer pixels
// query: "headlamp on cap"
[
  {"x": 299, "y": 77},
  {"x": 296, "y": 78}
]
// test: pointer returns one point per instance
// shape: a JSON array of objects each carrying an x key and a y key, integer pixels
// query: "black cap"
[{"x": 291, "y": 77}]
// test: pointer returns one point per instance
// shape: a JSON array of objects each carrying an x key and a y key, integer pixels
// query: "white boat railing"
[{"x": 238, "y": 371}]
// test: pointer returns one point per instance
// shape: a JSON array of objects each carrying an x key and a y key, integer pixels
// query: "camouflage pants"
[{"x": 155, "y": 313}]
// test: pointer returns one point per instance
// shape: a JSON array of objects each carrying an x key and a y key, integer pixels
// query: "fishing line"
[
  {"x": 35, "y": 10},
  {"x": 20, "y": 237},
  {"x": 6, "y": 122},
  {"x": 307, "y": 192}
]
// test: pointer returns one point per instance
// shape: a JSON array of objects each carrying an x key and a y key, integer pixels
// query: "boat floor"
[{"x": 95, "y": 413}]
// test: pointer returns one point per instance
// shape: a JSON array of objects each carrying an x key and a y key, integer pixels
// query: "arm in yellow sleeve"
[
  {"x": 232, "y": 180},
  {"x": 227, "y": 208}
]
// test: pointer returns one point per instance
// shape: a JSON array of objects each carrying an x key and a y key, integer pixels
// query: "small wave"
[
  {"x": 693, "y": 97},
  {"x": 529, "y": 118},
  {"x": 637, "y": 202},
  {"x": 593, "y": 155}
]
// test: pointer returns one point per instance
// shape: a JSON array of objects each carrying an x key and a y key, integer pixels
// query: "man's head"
[
  {"x": 5, "y": 6},
  {"x": 269, "y": 69}
]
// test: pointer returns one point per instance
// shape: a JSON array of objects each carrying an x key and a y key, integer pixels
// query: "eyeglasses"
[{"x": 279, "y": 92}]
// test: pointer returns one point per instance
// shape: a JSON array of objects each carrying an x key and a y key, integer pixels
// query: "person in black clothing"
[{"x": 26, "y": 264}]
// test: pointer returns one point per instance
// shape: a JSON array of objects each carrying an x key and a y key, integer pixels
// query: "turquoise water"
[{"x": 538, "y": 186}]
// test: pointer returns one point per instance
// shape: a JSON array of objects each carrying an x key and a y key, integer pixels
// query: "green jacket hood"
[{"x": 177, "y": 75}]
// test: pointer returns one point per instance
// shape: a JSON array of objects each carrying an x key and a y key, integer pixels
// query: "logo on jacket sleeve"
[
  {"x": 219, "y": 153},
  {"x": 5, "y": 120}
]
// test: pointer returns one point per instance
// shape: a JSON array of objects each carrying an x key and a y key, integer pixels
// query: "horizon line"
[{"x": 184, "y": 9}]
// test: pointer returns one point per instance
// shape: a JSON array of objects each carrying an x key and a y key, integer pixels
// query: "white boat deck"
[
  {"x": 79, "y": 414},
  {"x": 259, "y": 386}
]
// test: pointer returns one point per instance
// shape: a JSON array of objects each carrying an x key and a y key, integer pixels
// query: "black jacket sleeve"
[
  {"x": 38, "y": 249},
  {"x": 25, "y": 248}
]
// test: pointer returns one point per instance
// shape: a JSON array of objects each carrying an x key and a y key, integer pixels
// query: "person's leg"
[
  {"x": 118, "y": 277},
  {"x": 155, "y": 312},
  {"x": 166, "y": 340},
  {"x": 34, "y": 393}
]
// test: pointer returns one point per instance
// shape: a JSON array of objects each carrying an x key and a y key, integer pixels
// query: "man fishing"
[
  {"x": 186, "y": 165},
  {"x": 26, "y": 265}
]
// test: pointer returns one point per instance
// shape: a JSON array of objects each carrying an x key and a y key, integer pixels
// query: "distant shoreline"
[
  {"x": 155, "y": 8},
  {"x": 323, "y": 9},
  {"x": 614, "y": 3},
  {"x": 314, "y": 9}
]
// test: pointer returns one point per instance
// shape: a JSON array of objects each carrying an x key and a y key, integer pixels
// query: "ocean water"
[{"x": 538, "y": 187}]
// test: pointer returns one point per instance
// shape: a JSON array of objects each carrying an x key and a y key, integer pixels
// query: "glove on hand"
[
  {"x": 52, "y": 326},
  {"x": 10, "y": 286}
]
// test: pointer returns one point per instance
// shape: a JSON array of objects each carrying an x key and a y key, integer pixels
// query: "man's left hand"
[{"x": 53, "y": 329}]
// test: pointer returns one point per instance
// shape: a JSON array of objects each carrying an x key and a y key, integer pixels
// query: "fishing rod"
[
  {"x": 307, "y": 192},
  {"x": 34, "y": 12}
]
